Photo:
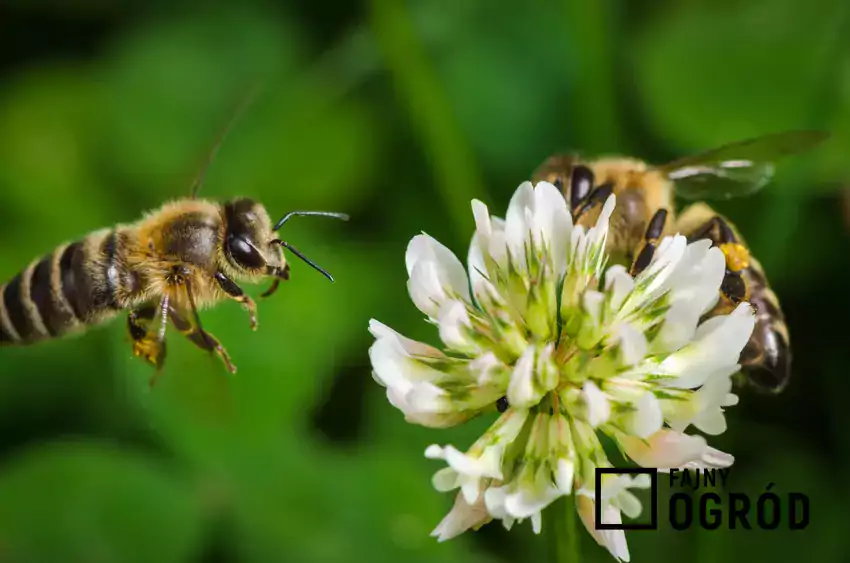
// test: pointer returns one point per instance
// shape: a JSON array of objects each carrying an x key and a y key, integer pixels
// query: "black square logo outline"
[{"x": 653, "y": 496}]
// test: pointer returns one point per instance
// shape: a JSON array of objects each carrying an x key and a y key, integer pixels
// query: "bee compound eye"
[
  {"x": 581, "y": 183},
  {"x": 243, "y": 253}
]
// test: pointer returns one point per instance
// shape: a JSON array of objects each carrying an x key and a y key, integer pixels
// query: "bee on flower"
[{"x": 565, "y": 346}]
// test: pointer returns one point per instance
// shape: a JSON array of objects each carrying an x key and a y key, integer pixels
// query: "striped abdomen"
[
  {"x": 79, "y": 284},
  {"x": 766, "y": 359}
]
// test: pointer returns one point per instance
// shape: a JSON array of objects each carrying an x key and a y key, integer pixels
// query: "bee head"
[
  {"x": 250, "y": 244},
  {"x": 248, "y": 232},
  {"x": 557, "y": 170}
]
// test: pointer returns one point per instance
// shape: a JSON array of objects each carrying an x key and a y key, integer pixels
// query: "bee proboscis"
[
  {"x": 645, "y": 213},
  {"x": 165, "y": 267}
]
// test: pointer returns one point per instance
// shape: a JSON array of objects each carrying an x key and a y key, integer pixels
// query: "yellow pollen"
[{"x": 737, "y": 256}]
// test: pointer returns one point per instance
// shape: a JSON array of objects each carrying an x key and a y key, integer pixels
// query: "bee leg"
[
  {"x": 195, "y": 332},
  {"x": 597, "y": 197},
  {"x": 650, "y": 242},
  {"x": 139, "y": 320},
  {"x": 200, "y": 338},
  {"x": 230, "y": 288},
  {"x": 149, "y": 344},
  {"x": 699, "y": 221},
  {"x": 278, "y": 274}
]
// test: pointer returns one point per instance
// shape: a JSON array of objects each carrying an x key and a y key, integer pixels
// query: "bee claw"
[
  {"x": 222, "y": 353},
  {"x": 227, "y": 363}
]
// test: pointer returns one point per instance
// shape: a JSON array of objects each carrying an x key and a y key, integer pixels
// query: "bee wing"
[{"x": 737, "y": 169}]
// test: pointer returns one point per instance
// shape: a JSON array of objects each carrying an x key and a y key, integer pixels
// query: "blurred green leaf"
[
  {"x": 299, "y": 151},
  {"x": 458, "y": 177},
  {"x": 504, "y": 107},
  {"x": 341, "y": 508},
  {"x": 831, "y": 161},
  {"x": 710, "y": 74},
  {"x": 792, "y": 468},
  {"x": 45, "y": 131},
  {"x": 213, "y": 60},
  {"x": 88, "y": 502},
  {"x": 594, "y": 38}
]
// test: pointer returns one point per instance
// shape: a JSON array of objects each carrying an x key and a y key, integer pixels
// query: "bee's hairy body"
[
  {"x": 644, "y": 214},
  {"x": 184, "y": 256},
  {"x": 767, "y": 356},
  {"x": 173, "y": 261},
  {"x": 640, "y": 192}
]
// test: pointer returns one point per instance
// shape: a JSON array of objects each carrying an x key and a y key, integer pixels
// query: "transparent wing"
[{"x": 737, "y": 169}]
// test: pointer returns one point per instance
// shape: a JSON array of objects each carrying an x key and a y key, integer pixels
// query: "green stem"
[{"x": 563, "y": 532}]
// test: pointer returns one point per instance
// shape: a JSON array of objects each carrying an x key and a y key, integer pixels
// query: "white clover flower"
[{"x": 575, "y": 349}]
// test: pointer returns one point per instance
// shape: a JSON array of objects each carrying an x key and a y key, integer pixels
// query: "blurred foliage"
[{"x": 397, "y": 113}]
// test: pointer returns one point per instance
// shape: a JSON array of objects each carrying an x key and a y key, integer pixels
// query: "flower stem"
[{"x": 563, "y": 531}]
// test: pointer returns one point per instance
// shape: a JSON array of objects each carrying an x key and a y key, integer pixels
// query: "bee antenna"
[
  {"x": 286, "y": 217},
  {"x": 298, "y": 253}
]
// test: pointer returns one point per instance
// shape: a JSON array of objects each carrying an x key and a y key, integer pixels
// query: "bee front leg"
[
  {"x": 650, "y": 242},
  {"x": 230, "y": 288},
  {"x": 148, "y": 335},
  {"x": 194, "y": 330},
  {"x": 598, "y": 196}
]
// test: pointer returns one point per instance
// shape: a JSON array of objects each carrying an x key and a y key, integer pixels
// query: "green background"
[{"x": 399, "y": 114}]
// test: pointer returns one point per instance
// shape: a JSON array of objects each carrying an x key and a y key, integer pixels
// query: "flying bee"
[
  {"x": 645, "y": 213},
  {"x": 187, "y": 255}
]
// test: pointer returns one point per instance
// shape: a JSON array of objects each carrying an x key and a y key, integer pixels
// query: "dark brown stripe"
[
  {"x": 70, "y": 290},
  {"x": 55, "y": 317},
  {"x": 757, "y": 276},
  {"x": 766, "y": 307},
  {"x": 12, "y": 299},
  {"x": 5, "y": 337},
  {"x": 752, "y": 353},
  {"x": 772, "y": 370},
  {"x": 40, "y": 295},
  {"x": 761, "y": 296},
  {"x": 111, "y": 272},
  {"x": 90, "y": 295}
]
